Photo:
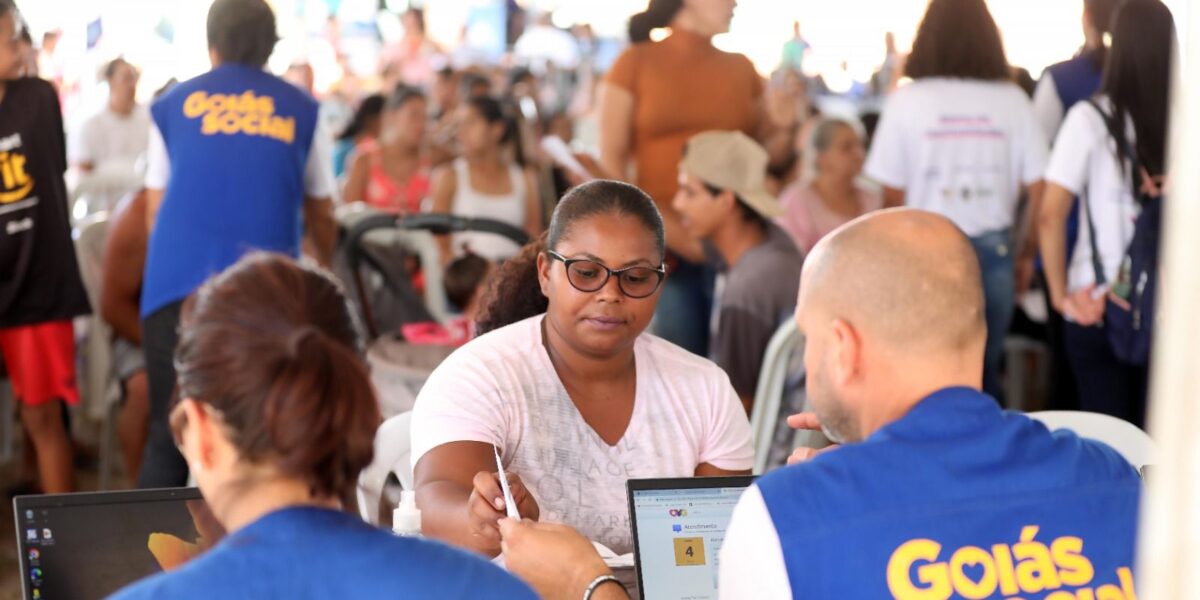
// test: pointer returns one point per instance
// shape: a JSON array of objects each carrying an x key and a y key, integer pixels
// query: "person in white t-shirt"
[
  {"x": 569, "y": 389},
  {"x": 962, "y": 141},
  {"x": 1090, "y": 161},
  {"x": 113, "y": 140}
]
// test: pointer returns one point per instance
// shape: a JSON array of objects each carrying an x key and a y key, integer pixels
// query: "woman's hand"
[
  {"x": 486, "y": 505},
  {"x": 1084, "y": 307}
]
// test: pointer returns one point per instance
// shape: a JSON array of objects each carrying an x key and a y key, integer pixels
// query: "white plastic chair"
[
  {"x": 393, "y": 456},
  {"x": 766, "y": 418},
  {"x": 1134, "y": 444}
]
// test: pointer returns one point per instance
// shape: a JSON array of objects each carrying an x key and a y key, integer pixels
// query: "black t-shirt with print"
[{"x": 39, "y": 273}]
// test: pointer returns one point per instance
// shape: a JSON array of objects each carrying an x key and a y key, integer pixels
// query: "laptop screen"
[
  {"x": 90, "y": 545},
  {"x": 679, "y": 526}
]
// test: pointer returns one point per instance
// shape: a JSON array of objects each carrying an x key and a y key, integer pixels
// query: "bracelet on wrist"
[{"x": 596, "y": 583}]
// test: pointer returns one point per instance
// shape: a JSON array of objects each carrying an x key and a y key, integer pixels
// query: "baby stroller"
[{"x": 374, "y": 260}]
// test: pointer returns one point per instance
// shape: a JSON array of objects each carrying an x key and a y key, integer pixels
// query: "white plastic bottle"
[{"x": 406, "y": 518}]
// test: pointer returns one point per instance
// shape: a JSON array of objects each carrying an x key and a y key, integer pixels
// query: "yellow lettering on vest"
[
  {"x": 1035, "y": 569},
  {"x": 1125, "y": 576},
  {"x": 219, "y": 103},
  {"x": 195, "y": 105},
  {"x": 934, "y": 576},
  {"x": 230, "y": 122},
  {"x": 250, "y": 124},
  {"x": 963, "y": 584},
  {"x": 1110, "y": 592},
  {"x": 266, "y": 105},
  {"x": 1074, "y": 568},
  {"x": 248, "y": 103},
  {"x": 1004, "y": 570},
  {"x": 1062, "y": 595}
]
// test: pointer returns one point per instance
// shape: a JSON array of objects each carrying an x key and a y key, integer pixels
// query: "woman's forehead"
[{"x": 613, "y": 239}]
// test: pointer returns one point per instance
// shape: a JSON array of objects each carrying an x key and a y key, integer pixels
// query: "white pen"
[{"x": 509, "y": 504}]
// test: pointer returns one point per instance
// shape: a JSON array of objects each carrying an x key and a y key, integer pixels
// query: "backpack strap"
[{"x": 1097, "y": 266}]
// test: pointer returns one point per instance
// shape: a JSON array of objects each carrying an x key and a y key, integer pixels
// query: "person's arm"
[
  {"x": 444, "y": 188},
  {"x": 556, "y": 560},
  {"x": 320, "y": 228},
  {"x": 121, "y": 273},
  {"x": 461, "y": 499},
  {"x": 888, "y": 161},
  {"x": 1047, "y": 106},
  {"x": 533, "y": 205},
  {"x": 616, "y": 130},
  {"x": 356, "y": 178},
  {"x": 1081, "y": 307},
  {"x": 751, "y": 560},
  {"x": 1027, "y": 237},
  {"x": 727, "y": 447},
  {"x": 893, "y": 197},
  {"x": 158, "y": 172}
]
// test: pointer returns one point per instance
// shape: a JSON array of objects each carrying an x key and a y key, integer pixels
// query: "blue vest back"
[
  {"x": 238, "y": 141},
  {"x": 958, "y": 500}
]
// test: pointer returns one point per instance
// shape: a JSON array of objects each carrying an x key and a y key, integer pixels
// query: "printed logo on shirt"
[
  {"x": 920, "y": 570},
  {"x": 247, "y": 114},
  {"x": 15, "y": 182}
]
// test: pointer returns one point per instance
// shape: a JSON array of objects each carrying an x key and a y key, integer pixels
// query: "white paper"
[{"x": 558, "y": 151}]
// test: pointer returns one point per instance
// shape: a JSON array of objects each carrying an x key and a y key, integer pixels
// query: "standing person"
[
  {"x": 486, "y": 182},
  {"x": 277, "y": 416},
  {"x": 124, "y": 262},
  {"x": 390, "y": 172},
  {"x": 363, "y": 127},
  {"x": 794, "y": 50},
  {"x": 655, "y": 97},
  {"x": 723, "y": 200},
  {"x": 1060, "y": 88},
  {"x": 962, "y": 141},
  {"x": 113, "y": 140},
  {"x": 40, "y": 288},
  {"x": 410, "y": 60},
  {"x": 235, "y": 163},
  {"x": 827, "y": 195},
  {"x": 1090, "y": 160}
]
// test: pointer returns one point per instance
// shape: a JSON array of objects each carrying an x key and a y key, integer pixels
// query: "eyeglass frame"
[{"x": 609, "y": 273}]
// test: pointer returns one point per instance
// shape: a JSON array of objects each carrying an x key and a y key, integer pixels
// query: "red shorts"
[{"x": 40, "y": 360}]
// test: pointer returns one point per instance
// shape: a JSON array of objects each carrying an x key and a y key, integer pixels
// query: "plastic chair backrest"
[
  {"x": 97, "y": 377},
  {"x": 393, "y": 455},
  {"x": 768, "y": 398},
  {"x": 1134, "y": 444}
]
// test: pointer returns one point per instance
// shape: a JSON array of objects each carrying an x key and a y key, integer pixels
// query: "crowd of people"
[{"x": 626, "y": 340}]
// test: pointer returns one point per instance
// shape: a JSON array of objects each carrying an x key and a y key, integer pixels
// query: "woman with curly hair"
[{"x": 568, "y": 388}]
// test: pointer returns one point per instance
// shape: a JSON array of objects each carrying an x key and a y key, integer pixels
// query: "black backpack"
[{"x": 1129, "y": 312}]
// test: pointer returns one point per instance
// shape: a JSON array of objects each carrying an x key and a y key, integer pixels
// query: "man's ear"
[{"x": 847, "y": 352}]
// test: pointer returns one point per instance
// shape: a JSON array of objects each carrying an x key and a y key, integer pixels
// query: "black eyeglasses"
[{"x": 587, "y": 275}]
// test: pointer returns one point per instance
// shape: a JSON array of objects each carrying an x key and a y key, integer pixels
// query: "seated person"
[
  {"x": 937, "y": 493},
  {"x": 565, "y": 384},
  {"x": 722, "y": 199},
  {"x": 465, "y": 280},
  {"x": 120, "y": 301},
  {"x": 276, "y": 419}
]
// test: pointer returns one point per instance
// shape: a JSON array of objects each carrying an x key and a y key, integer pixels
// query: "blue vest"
[
  {"x": 958, "y": 499},
  {"x": 1074, "y": 80},
  {"x": 238, "y": 140}
]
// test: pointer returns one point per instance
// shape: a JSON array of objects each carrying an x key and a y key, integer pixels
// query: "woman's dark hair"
[
  {"x": 419, "y": 15},
  {"x": 462, "y": 277},
  {"x": 1137, "y": 79},
  {"x": 403, "y": 94},
  {"x": 514, "y": 293},
  {"x": 273, "y": 346},
  {"x": 242, "y": 31},
  {"x": 1100, "y": 14},
  {"x": 495, "y": 111},
  {"x": 370, "y": 108},
  {"x": 660, "y": 13},
  {"x": 959, "y": 39}
]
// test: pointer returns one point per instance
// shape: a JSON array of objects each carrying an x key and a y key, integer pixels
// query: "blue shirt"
[
  {"x": 957, "y": 499},
  {"x": 299, "y": 553},
  {"x": 238, "y": 140}
]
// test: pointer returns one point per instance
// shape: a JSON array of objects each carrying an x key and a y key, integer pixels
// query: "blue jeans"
[
  {"x": 685, "y": 307},
  {"x": 994, "y": 251}
]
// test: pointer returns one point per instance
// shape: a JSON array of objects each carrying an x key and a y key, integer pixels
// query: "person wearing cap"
[{"x": 723, "y": 200}]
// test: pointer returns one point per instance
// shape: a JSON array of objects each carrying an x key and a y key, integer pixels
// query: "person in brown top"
[{"x": 655, "y": 97}]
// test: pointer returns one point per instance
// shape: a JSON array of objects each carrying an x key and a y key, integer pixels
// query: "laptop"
[
  {"x": 85, "y": 546},
  {"x": 678, "y": 528}
]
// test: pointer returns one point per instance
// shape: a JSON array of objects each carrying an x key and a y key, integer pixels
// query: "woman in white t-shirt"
[
  {"x": 1090, "y": 161},
  {"x": 565, "y": 384},
  {"x": 962, "y": 141},
  {"x": 486, "y": 182}
]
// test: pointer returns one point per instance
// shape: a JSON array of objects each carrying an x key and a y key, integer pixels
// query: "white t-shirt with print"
[
  {"x": 502, "y": 389},
  {"x": 1085, "y": 163},
  {"x": 959, "y": 148}
]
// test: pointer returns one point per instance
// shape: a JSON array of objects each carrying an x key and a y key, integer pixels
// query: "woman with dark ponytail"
[
  {"x": 658, "y": 95},
  {"x": 276, "y": 419},
  {"x": 568, "y": 387},
  {"x": 366, "y": 124}
]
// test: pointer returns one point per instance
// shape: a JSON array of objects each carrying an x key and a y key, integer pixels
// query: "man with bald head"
[{"x": 935, "y": 492}]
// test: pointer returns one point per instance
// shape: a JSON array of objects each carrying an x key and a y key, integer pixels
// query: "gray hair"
[{"x": 820, "y": 138}]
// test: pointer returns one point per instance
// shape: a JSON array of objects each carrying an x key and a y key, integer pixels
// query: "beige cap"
[{"x": 732, "y": 161}]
